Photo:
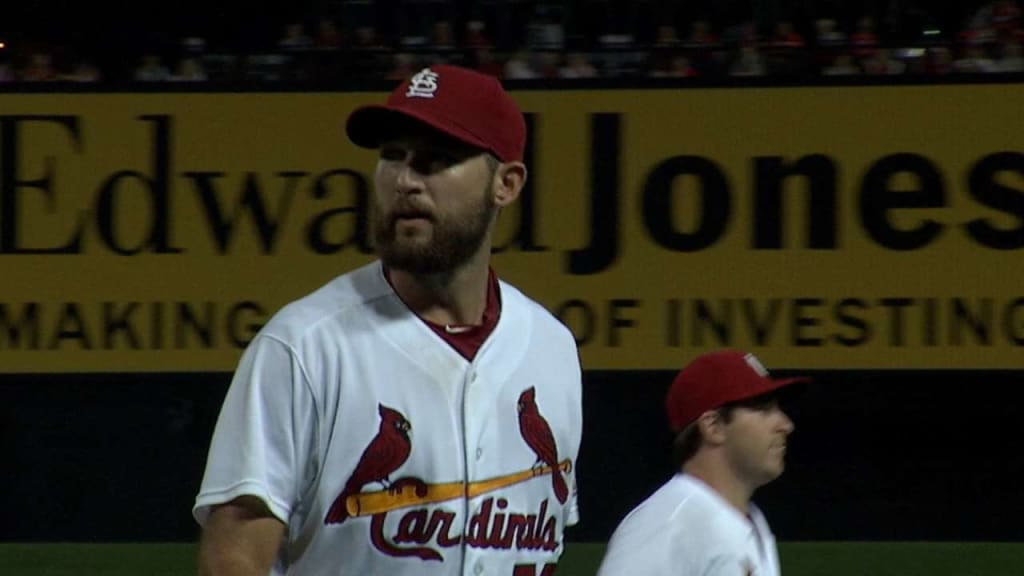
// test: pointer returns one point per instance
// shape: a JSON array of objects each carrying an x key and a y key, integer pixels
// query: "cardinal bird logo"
[
  {"x": 388, "y": 450},
  {"x": 538, "y": 436}
]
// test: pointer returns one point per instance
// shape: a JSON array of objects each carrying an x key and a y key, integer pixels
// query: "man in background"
[{"x": 731, "y": 440}]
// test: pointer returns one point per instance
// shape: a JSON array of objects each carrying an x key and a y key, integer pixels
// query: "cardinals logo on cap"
[
  {"x": 423, "y": 84},
  {"x": 756, "y": 365}
]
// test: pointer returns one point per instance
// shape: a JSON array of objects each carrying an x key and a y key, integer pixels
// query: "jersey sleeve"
[
  {"x": 726, "y": 565},
  {"x": 265, "y": 434},
  {"x": 639, "y": 547},
  {"x": 572, "y": 508}
]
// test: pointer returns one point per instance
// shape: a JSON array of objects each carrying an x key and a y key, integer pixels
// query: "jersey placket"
[{"x": 470, "y": 397}]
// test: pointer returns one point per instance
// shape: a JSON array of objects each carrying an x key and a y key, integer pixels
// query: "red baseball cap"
[
  {"x": 465, "y": 104},
  {"x": 715, "y": 379}
]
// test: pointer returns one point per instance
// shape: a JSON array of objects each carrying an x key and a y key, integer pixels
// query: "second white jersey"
[
  {"x": 687, "y": 529},
  {"x": 387, "y": 452}
]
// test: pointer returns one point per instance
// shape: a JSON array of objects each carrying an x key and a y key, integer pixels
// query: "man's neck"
[
  {"x": 455, "y": 298},
  {"x": 732, "y": 489}
]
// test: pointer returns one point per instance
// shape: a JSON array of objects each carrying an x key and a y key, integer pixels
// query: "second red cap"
[{"x": 715, "y": 379}]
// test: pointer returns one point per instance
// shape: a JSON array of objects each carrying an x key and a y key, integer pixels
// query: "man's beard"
[{"x": 454, "y": 240}]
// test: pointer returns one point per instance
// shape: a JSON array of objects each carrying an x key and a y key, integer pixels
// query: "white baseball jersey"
[
  {"x": 687, "y": 529},
  {"x": 385, "y": 451}
]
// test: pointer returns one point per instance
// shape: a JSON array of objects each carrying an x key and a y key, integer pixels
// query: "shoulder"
[
  {"x": 335, "y": 302},
  {"x": 687, "y": 510},
  {"x": 659, "y": 513},
  {"x": 656, "y": 537},
  {"x": 708, "y": 507},
  {"x": 514, "y": 301}
]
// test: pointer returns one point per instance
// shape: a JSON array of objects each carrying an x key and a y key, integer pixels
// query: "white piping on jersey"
[{"x": 467, "y": 381}]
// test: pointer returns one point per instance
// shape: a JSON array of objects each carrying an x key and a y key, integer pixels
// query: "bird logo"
[
  {"x": 537, "y": 434},
  {"x": 388, "y": 450}
]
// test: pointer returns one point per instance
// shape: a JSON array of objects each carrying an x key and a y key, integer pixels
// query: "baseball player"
[
  {"x": 416, "y": 416},
  {"x": 731, "y": 439}
]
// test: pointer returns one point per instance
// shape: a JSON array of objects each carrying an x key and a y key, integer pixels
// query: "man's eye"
[
  {"x": 433, "y": 162},
  {"x": 393, "y": 153},
  {"x": 440, "y": 162}
]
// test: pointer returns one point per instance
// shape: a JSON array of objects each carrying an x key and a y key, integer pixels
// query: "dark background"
[
  {"x": 877, "y": 455},
  {"x": 114, "y": 34},
  {"x": 112, "y": 21}
]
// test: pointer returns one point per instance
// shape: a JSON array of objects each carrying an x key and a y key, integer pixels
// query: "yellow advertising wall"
[{"x": 157, "y": 232}]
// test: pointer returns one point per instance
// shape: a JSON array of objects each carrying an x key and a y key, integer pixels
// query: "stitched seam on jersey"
[
  {"x": 540, "y": 311},
  {"x": 344, "y": 308},
  {"x": 308, "y": 383},
  {"x": 679, "y": 507},
  {"x": 298, "y": 360}
]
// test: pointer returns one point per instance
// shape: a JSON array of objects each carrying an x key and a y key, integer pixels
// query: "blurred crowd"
[{"x": 517, "y": 39}]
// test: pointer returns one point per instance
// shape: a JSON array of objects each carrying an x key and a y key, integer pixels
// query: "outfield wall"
[{"x": 868, "y": 235}]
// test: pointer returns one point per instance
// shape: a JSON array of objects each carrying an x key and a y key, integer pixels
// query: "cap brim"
[
  {"x": 788, "y": 388},
  {"x": 368, "y": 126},
  {"x": 785, "y": 390}
]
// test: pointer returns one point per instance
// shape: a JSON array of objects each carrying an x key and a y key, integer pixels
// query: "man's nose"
[
  {"x": 409, "y": 179},
  {"x": 786, "y": 422}
]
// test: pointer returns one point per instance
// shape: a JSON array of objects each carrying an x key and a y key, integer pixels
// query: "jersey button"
[
  {"x": 479, "y": 453},
  {"x": 478, "y": 569},
  {"x": 472, "y": 376}
]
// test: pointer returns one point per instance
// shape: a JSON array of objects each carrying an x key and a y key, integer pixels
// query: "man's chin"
[
  {"x": 427, "y": 254},
  {"x": 419, "y": 262},
  {"x": 769, "y": 471}
]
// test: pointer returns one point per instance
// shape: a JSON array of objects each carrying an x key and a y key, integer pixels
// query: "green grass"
[
  {"x": 798, "y": 559},
  {"x": 97, "y": 559},
  {"x": 902, "y": 559}
]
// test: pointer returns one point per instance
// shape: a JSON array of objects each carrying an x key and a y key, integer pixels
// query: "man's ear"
[
  {"x": 509, "y": 179},
  {"x": 712, "y": 427}
]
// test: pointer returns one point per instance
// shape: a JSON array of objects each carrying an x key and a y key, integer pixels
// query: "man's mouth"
[
  {"x": 411, "y": 217},
  {"x": 411, "y": 214}
]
